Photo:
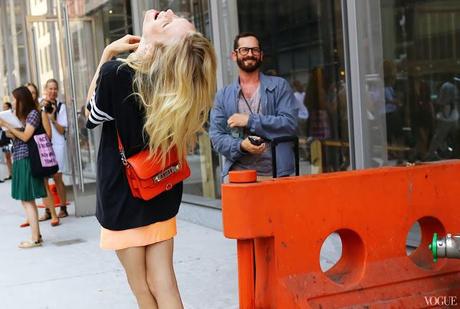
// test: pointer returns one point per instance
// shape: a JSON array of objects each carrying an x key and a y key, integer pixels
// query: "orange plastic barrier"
[
  {"x": 57, "y": 200},
  {"x": 281, "y": 225}
]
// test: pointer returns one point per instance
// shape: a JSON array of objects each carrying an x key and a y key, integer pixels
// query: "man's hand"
[
  {"x": 253, "y": 149},
  {"x": 238, "y": 120}
]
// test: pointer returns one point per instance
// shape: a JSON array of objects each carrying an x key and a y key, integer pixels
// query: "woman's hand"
[
  {"x": 4, "y": 124},
  {"x": 9, "y": 133},
  {"x": 127, "y": 43}
]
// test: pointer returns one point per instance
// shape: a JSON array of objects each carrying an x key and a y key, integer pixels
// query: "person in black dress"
[{"x": 158, "y": 97}]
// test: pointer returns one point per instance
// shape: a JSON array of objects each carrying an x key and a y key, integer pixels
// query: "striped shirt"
[
  {"x": 114, "y": 108},
  {"x": 96, "y": 116}
]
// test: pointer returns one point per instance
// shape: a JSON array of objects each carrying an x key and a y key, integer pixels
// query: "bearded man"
[{"x": 251, "y": 111}]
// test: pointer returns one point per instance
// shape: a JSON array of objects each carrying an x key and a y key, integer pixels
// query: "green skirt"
[{"x": 24, "y": 186}]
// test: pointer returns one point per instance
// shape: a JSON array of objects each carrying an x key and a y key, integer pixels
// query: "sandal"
[
  {"x": 30, "y": 244},
  {"x": 55, "y": 222},
  {"x": 46, "y": 216},
  {"x": 63, "y": 212},
  {"x": 24, "y": 224}
]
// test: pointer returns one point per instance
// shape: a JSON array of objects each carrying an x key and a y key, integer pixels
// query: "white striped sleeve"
[
  {"x": 97, "y": 115},
  {"x": 100, "y": 105}
]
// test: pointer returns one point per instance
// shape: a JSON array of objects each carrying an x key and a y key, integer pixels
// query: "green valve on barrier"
[{"x": 433, "y": 247}]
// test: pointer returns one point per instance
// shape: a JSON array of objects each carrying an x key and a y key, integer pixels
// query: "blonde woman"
[{"x": 157, "y": 98}]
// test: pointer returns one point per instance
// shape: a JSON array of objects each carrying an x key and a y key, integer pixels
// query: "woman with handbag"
[
  {"x": 24, "y": 186},
  {"x": 154, "y": 102},
  {"x": 48, "y": 201}
]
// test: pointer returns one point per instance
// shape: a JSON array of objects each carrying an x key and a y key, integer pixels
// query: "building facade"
[{"x": 379, "y": 78}]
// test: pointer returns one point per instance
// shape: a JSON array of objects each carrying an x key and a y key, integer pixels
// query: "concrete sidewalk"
[{"x": 71, "y": 271}]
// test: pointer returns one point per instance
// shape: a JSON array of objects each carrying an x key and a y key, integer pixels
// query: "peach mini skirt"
[{"x": 138, "y": 237}]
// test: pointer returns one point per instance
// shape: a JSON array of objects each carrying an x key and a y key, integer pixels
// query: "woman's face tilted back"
[{"x": 162, "y": 28}]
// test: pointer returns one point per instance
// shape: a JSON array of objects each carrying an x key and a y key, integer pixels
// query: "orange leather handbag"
[{"x": 146, "y": 178}]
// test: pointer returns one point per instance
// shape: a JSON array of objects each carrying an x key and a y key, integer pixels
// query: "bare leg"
[
  {"x": 133, "y": 261},
  {"x": 60, "y": 187},
  {"x": 49, "y": 203},
  {"x": 32, "y": 216},
  {"x": 160, "y": 275},
  {"x": 9, "y": 164}
]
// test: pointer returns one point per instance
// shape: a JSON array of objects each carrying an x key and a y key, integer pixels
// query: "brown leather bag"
[{"x": 146, "y": 178}]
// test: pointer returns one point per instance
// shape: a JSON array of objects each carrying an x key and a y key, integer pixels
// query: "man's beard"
[{"x": 248, "y": 68}]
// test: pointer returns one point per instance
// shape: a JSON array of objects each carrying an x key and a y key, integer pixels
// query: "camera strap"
[{"x": 248, "y": 105}]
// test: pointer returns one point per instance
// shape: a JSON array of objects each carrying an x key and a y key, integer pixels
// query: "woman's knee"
[
  {"x": 139, "y": 287},
  {"x": 159, "y": 267},
  {"x": 161, "y": 284}
]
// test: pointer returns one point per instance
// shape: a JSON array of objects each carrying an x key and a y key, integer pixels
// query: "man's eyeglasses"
[{"x": 245, "y": 50}]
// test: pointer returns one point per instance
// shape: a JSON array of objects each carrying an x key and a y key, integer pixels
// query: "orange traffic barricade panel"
[{"x": 281, "y": 225}]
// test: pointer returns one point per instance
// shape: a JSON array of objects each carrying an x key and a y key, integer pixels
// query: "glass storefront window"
[
  {"x": 195, "y": 10},
  {"x": 421, "y": 51},
  {"x": 117, "y": 19},
  {"x": 92, "y": 22},
  {"x": 42, "y": 7},
  {"x": 14, "y": 63},
  {"x": 47, "y": 55},
  {"x": 204, "y": 163},
  {"x": 303, "y": 43}
]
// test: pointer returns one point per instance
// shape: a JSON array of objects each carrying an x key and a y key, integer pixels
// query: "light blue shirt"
[{"x": 279, "y": 118}]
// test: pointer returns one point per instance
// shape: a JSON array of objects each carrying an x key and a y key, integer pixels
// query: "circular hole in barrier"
[
  {"x": 419, "y": 237},
  {"x": 413, "y": 238},
  {"x": 342, "y": 256},
  {"x": 331, "y": 251}
]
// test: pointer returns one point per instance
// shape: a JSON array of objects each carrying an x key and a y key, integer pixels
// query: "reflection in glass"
[
  {"x": 204, "y": 163},
  {"x": 421, "y": 51},
  {"x": 84, "y": 65},
  {"x": 303, "y": 43},
  {"x": 194, "y": 10}
]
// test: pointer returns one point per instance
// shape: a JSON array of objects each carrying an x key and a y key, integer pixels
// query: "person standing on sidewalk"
[
  {"x": 57, "y": 114},
  {"x": 253, "y": 107},
  {"x": 24, "y": 186},
  {"x": 50, "y": 212},
  {"x": 6, "y": 146},
  {"x": 158, "y": 97}
]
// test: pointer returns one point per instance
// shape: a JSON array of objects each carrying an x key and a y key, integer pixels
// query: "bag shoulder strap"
[
  {"x": 58, "y": 107},
  {"x": 40, "y": 129},
  {"x": 121, "y": 149}
]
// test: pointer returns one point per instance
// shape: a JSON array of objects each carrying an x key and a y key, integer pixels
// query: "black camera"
[
  {"x": 256, "y": 140},
  {"x": 48, "y": 107}
]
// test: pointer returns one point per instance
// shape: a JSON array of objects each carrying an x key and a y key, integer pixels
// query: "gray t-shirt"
[{"x": 261, "y": 163}]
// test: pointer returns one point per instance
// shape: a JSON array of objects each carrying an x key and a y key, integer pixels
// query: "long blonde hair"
[{"x": 176, "y": 83}]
